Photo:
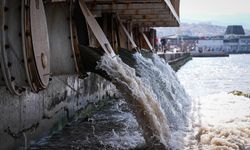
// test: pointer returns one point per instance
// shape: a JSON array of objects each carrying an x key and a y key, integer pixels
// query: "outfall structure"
[{"x": 44, "y": 67}]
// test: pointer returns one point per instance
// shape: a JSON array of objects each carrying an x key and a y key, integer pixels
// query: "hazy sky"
[{"x": 221, "y": 12}]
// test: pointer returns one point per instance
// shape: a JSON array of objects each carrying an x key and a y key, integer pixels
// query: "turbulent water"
[
  {"x": 220, "y": 120},
  {"x": 156, "y": 97},
  {"x": 150, "y": 113}
]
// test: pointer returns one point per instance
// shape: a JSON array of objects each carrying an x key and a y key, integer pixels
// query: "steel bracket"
[
  {"x": 96, "y": 29},
  {"x": 147, "y": 41},
  {"x": 134, "y": 46}
]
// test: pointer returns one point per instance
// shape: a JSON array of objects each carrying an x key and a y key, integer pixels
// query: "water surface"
[{"x": 220, "y": 120}]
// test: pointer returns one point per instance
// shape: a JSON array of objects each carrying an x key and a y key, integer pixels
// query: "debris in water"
[{"x": 240, "y": 93}]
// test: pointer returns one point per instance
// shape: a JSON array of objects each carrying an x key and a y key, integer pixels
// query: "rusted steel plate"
[
  {"x": 40, "y": 40},
  {"x": 62, "y": 55},
  {"x": 11, "y": 47},
  {"x": 35, "y": 44}
]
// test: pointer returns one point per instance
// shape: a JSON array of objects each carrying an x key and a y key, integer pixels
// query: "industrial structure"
[
  {"x": 44, "y": 73},
  {"x": 233, "y": 41}
]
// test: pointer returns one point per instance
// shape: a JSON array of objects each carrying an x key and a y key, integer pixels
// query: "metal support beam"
[
  {"x": 147, "y": 41},
  {"x": 96, "y": 29},
  {"x": 134, "y": 46}
]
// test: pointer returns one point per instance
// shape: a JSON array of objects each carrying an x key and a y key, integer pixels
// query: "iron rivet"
[
  {"x": 50, "y": 79},
  {"x": 6, "y": 46},
  {"x": 44, "y": 60},
  {"x": 6, "y": 8},
  {"x": 9, "y": 64},
  {"x": 5, "y": 27},
  {"x": 12, "y": 78}
]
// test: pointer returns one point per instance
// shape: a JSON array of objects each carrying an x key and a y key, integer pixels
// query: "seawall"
[
  {"x": 34, "y": 115},
  {"x": 176, "y": 60}
]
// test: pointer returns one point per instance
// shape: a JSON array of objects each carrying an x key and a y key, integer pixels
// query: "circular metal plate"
[{"x": 40, "y": 40}]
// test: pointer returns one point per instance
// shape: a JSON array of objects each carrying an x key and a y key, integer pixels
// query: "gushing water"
[{"x": 156, "y": 98}]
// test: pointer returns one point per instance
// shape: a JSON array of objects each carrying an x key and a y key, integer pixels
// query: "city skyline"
[{"x": 222, "y": 12}]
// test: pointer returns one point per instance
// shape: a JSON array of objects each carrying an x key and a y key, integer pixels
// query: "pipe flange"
[{"x": 36, "y": 49}]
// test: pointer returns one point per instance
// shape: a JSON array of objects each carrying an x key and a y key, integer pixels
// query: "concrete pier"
[
  {"x": 176, "y": 60},
  {"x": 34, "y": 115}
]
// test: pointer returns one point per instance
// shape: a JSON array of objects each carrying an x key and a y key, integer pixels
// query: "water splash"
[
  {"x": 174, "y": 100},
  {"x": 154, "y": 97}
]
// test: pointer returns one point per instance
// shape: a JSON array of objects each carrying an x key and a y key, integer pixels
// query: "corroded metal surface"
[
  {"x": 40, "y": 40},
  {"x": 62, "y": 56},
  {"x": 147, "y": 41},
  {"x": 126, "y": 33},
  {"x": 96, "y": 29},
  {"x": 12, "y": 66},
  {"x": 142, "y": 12},
  {"x": 35, "y": 44}
]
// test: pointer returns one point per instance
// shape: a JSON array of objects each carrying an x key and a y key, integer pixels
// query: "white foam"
[{"x": 157, "y": 99}]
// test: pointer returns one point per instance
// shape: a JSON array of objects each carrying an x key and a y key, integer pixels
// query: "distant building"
[
  {"x": 234, "y": 30},
  {"x": 233, "y": 41},
  {"x": 180, "y": 42},
  {"x": 210, "y": 44},
  {"x": 244, "y": 44}
]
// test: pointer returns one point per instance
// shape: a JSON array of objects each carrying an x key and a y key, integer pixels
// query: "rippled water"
[{"x": 220, "y": 120}]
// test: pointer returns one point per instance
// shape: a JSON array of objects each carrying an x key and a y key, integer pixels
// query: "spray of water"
[{"x": 153, "y": 97}]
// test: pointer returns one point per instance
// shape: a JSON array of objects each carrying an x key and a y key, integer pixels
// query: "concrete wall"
[
  {"x": 30, "y": 116},
  {"x": 176, "y": 60}
]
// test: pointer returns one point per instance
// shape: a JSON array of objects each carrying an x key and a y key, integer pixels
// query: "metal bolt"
[
  {"x": 6, "y": 8},
  {"x": 9, "y": 64},
  {"x": 5, "y": 27},
  {"x": 12, "y": 78},
  {"x": 44, "y": 60},
  {"x": 6, "y": 46}
]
